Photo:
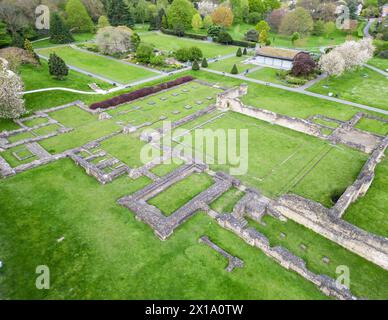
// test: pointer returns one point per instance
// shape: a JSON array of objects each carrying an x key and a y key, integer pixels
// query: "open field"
[
  {"x": 112, "y": 69},
  {"x": 59, "y": 200},
  {"x": 363, "y": 86},
  {"x": 281, "y": 160},
  {"x": 170, "y": 43}
]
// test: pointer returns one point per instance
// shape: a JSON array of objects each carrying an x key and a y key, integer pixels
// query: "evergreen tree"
[
  {"x": 119, "y": 13},
  {"x": 239, "y": 52},
  {"x": 28, "y": 47},
  {"x": 59, "y": 33},
  {"x": 135, "y": 40},
  {"x": 204, "y": 63},
  {"x": 77, "y": 17},
  {"x": 234, "y": 70},
  {"x": 5, "y": 38},
  {"x": 17, "y": 40},
  {"x": 57, "y": 67},
  {"x": 245, "y": 52},
  {"x": 195, "y": 66}
]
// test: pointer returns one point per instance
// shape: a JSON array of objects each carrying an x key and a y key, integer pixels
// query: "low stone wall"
[
  {"x": 320, "y": 219},
  {"x": 284, "y": 257},
  {"x": 363, "y": 181}
]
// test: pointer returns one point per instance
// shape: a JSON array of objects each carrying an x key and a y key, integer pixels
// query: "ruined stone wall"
[
  {"x": 320, "y": 219},
  {"x": 363, "y": 181}
]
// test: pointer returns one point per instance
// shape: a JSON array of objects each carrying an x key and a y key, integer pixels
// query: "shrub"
[
  {"x": 239, "y": 52},
  {"x": 295, "y": 81},
  {"x": 195, "y": 54},
  {"x": 245, "y": 52},
  {"x": 204, "y": 63},
  {"x": 384, "y": 54},
  {"x": 195, "y": 66},
  {"x": 242, "y": 43},
  {"x": 141, "y": 93},
  {"x": 254, "y": 17},
  {"x": 252, "y": 35},
  {"x": 303, "y": 65},
  {"x": 224, "y": 38},
  {"x": 214, "y": 31},
  {"x": 182, "y": 55},
  {"x": 234, "y": 70},
  {"x": 157, "y": 60},
  {"x": 144, "y": 52}
]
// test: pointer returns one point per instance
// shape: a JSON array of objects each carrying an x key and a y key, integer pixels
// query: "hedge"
[
  {"x": 243, "y": 43},
  {"x": 186, "y": 34},
  {"x": 141, "y": 93}
]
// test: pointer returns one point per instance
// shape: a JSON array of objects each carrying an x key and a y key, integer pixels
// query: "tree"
[
  {"x": 298, "y": 20},
  {"x": 332, "y": 63},
  {"x": 141, "y": 11},
  {"x": 144, "y": 52},
  {"x": 319, "y": 28},
  {"x": 257, "y": 6},
  {"x": 95, "y": 8},
  {"x": 223, "y": 16},
  {"x": 352, "y": 5},
  {"x": 254, "y": 17},
  {"x": 224, "y": 37},
  {"x": 207, "y": 21},
  {"x": 204, "y": 63},
  {"x": 302, "y": 65},
  {"x": 180, "y": 13},
  {"x": 57, "y": 67},
  {"x": 59, "y": 33},
  {"x": 240, "y": 10},
  {"x": 182, "y": 54},
  {"x": 239, "y": 52},
  {"x": 234, "y": 70},
  {"x": 119, "y": 14},
  {"x": 275, "y": 18},
  {"x": 28, "y": 47},
  {"x": 113, "y": 40},
  {"x": 295, "y": 36},
  {"x": 262, "y": 26},
  {"x": 135, "y": 41},
  {"x": 5, "y": 38},
  {"x": 326, "y": 11},
  {"x": 245, "y": 52},
  {"x": 195, "y": 66},
  {"x": 329, "y": 28},
  {"x": 103, "y": 22},
  {"x": 77, "y": 17},
  {"x": 11, "y": 93},
  {"x": 252, "y": 35},
  {"x": 196, "y": 22},
  {"x": 263, "y": 36},
  {"x": 309, "y": 5}
]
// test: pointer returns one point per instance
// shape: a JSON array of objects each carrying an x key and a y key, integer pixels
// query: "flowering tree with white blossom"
[{"x": 11, "y": 93}]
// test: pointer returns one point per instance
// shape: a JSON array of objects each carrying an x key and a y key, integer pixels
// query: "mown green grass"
[
  {"x": 373, "y": 125},
  {"x": 12, "y": 160},
  {"x": 171, "y": 43},
  {"x": 108, "y": 254},
  {"x": 267, "y": 75},
  {"x": 165, "y": 168},
  {"x": 181, "y": 193},
  {"x": 280, "y": 160},
  {"x": 226, "y": 65},
  {"x": 362, "y": 86},
  {"x": 226, "y": 202},
  {"x": 366, "y": 279},
  {"x": 38, "y": 77},
  {"x": 379, "y": 63},
  {"x": 78, "y": 37},
  {"x": 111, "y": 69},
  {"x": 370, "y": 212},
  {"x": 35, "y": 122}
]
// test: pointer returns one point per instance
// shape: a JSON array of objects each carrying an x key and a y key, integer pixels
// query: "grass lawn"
[
  {"x": 181, "y": 193},
  {"x": 166, "y": 168},
  {"x": 22, "y": 151},
  {"x": 226, "y": 65},
  {"x": 366, "y": 279},
  {"x": 370, "y": 212},
  {"x": 171, "y": 43},
  {"x": 373, "y": 125},
  {"x": 78, "y": 37},
  {"x": 111, "y": 69},
  {"x": 38, "y": 77},
  {"x": 379, "y": 63},
  {"x": 35, "y": 122},
  {"x": 281, "y": 160},
  {"x": 268, "y": 75},
  {"x": 108, "y": 254},
  {"x": 362, "y": 86},
  {"x": 226, "y": 202}
]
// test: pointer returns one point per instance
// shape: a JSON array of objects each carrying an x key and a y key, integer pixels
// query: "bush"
[
  {"x": 144, "y": 52},
  {"x": 252, "y": 35},
  {"x": 182, "y": 55},
  {"x": 380, "y": 46},
  {"x": 239, "y": 52},
  {"x": 384, "y": 54},
  {"x": 254, "y": 18},
  {"x": 295, "y": 81},
  {"x": 195, "y": 66},
  {"x": 141, "y": 93},
  {"x": 234, "y": 70},
  {"x": 157, "y": 60},
  {"x": 242, "y": 43},
  {"x": 204, "y": 63},
  {"x": 214, "y": 31},
  {"x": 224, "y": 38},
  {"x": 195, "y": 53}
]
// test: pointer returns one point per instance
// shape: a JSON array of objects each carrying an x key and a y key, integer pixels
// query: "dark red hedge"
[{"x": 127, "y": 97}]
